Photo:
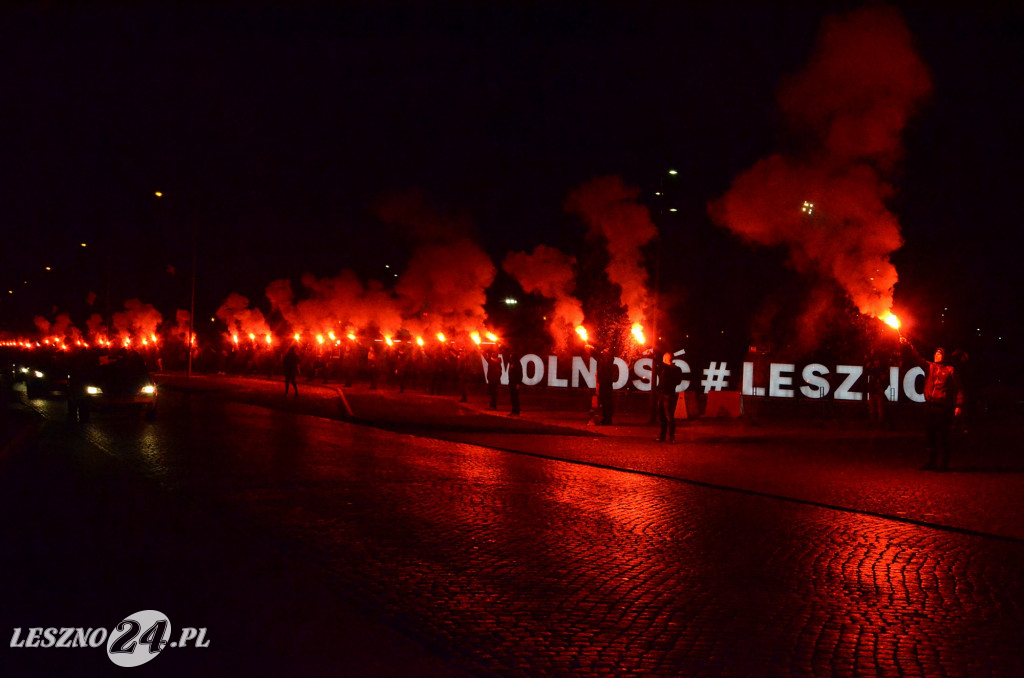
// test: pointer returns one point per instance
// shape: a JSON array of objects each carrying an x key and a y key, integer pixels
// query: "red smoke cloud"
[
  {"x": 138, "y": 319},
  {"x": 827, "y": 202},
  {"x": 611, "y": 210},
  {"x": 240, "y": 319},
  {"x": 442, "y": 290},
  {"x": 448, "y": 282},
  {"x": 549, "y": 273},
  {"x": 339, "y": 303}
]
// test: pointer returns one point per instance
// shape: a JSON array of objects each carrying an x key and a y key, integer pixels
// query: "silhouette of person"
[
  {"x": 291, "y": 371},
  {"x": 668, "y": 378},
  {"x": 943, "y": 397},
  {"x": 515, "y": 381},
  {"x": 493, "y": 378},
  {"x": 605, "y": 386}
]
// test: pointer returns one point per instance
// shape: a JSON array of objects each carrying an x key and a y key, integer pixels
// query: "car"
[
  {"x": 45, "y": 374},
  {"x": 110, "y": 381}
]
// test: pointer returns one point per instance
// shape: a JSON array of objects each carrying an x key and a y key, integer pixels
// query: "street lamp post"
[{"x": 657, "y": 296}]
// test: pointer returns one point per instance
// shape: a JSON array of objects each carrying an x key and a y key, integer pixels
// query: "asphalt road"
[{"x": 312, "y": 546}]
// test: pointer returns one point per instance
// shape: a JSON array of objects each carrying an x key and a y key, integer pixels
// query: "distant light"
[
  {"x": 48, "y": 268},
  {"x": 159, "y": 194},
  {"x": 83, "y": 244},
  {"x": 672, "y": 209},
  {"x": 511, "y": 301},
  {"x": 673, "y": 172}
]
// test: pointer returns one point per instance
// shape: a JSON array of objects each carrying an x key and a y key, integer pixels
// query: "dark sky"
[{"x": 275, "y": 132}]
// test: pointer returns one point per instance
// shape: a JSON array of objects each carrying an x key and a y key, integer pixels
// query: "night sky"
[{"x": 276, "y": 134}]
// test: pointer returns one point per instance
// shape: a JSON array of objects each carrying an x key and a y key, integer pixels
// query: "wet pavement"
[
  {"x": 543, "y": 546},
  {"x": 835, "y": 463}
]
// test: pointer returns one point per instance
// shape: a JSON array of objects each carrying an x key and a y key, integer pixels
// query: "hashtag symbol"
[{"x": 716, "y": 377}]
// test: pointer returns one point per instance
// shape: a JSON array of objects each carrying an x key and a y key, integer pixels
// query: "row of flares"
[
  {"x": 152, "y": 341},
  {"x": 268, "y": 340}
]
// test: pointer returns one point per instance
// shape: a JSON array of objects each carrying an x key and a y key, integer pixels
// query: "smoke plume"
[
  {"x": 826, "y": 202},
  {"x": 240, "y": 319},
  {"x": 549, "y": 273},
  {"x": 138, "y": 319},
  {"x": 610, "y": 209}
]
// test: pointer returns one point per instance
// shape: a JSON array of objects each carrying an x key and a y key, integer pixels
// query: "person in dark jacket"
[
  {"x": 606, "y": 386},
  {"x": 515, "y": 381},
  {"x": 667, "y": 378},
  {"x": 291, "y": 371},
  {"x": 943, "y": 395},
  {"x": 493, "y": 378}
]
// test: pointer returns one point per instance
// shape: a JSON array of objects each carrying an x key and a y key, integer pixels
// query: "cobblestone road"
[{"x": 526, "y": 566}]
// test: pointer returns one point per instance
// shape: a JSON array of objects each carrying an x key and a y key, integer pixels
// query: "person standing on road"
[
  {"x": 877, "y": 372},
  {"x": 515, "y": 381},
  {"x": 943, "y": 397},
  {"x": 291, "y": 371},
  {"x": 493, "y": 378},
  {"x": 667, "y": 380},
  {"x": 605, "y": 386}
]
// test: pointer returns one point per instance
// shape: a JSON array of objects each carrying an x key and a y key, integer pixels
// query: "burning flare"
[
  {"x": 638, "y": 333},
  {"x": 582, "y": 331},
  {"x": 891, "y": 320}
]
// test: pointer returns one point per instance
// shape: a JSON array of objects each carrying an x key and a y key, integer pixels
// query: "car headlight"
[
  {"x": 39, "y": 375},
  {"x": 149, "y": 389},
  {"x": 93, "y": 390}
]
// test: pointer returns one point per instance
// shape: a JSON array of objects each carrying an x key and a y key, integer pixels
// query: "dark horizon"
[{"x": 277, "y": 133}]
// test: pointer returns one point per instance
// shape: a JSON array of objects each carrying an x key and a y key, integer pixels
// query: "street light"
[{"x": 657, "y": 292}]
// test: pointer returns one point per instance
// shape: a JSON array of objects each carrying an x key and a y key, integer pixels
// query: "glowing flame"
[
  {"x": 319, "y": 338},
  {"x": 638, "y": 333},
  {"x": 389, "y": 341},
  {"x": 440, "y": 337},
  {"x": 491, "y": 336},
  {"x": 351, "y": 336},
  {"x": 891, "y": 320},
  {"x": 331, "y": 336},
  {"x": 270, "y": 340},
  {"x": 419, "y": 340},
  {"x": 475, "y": 336},
  {"x": 153, "y": 338},
  {"x": 582, "y": 331},
  {"x": 234, "y": 338}
]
